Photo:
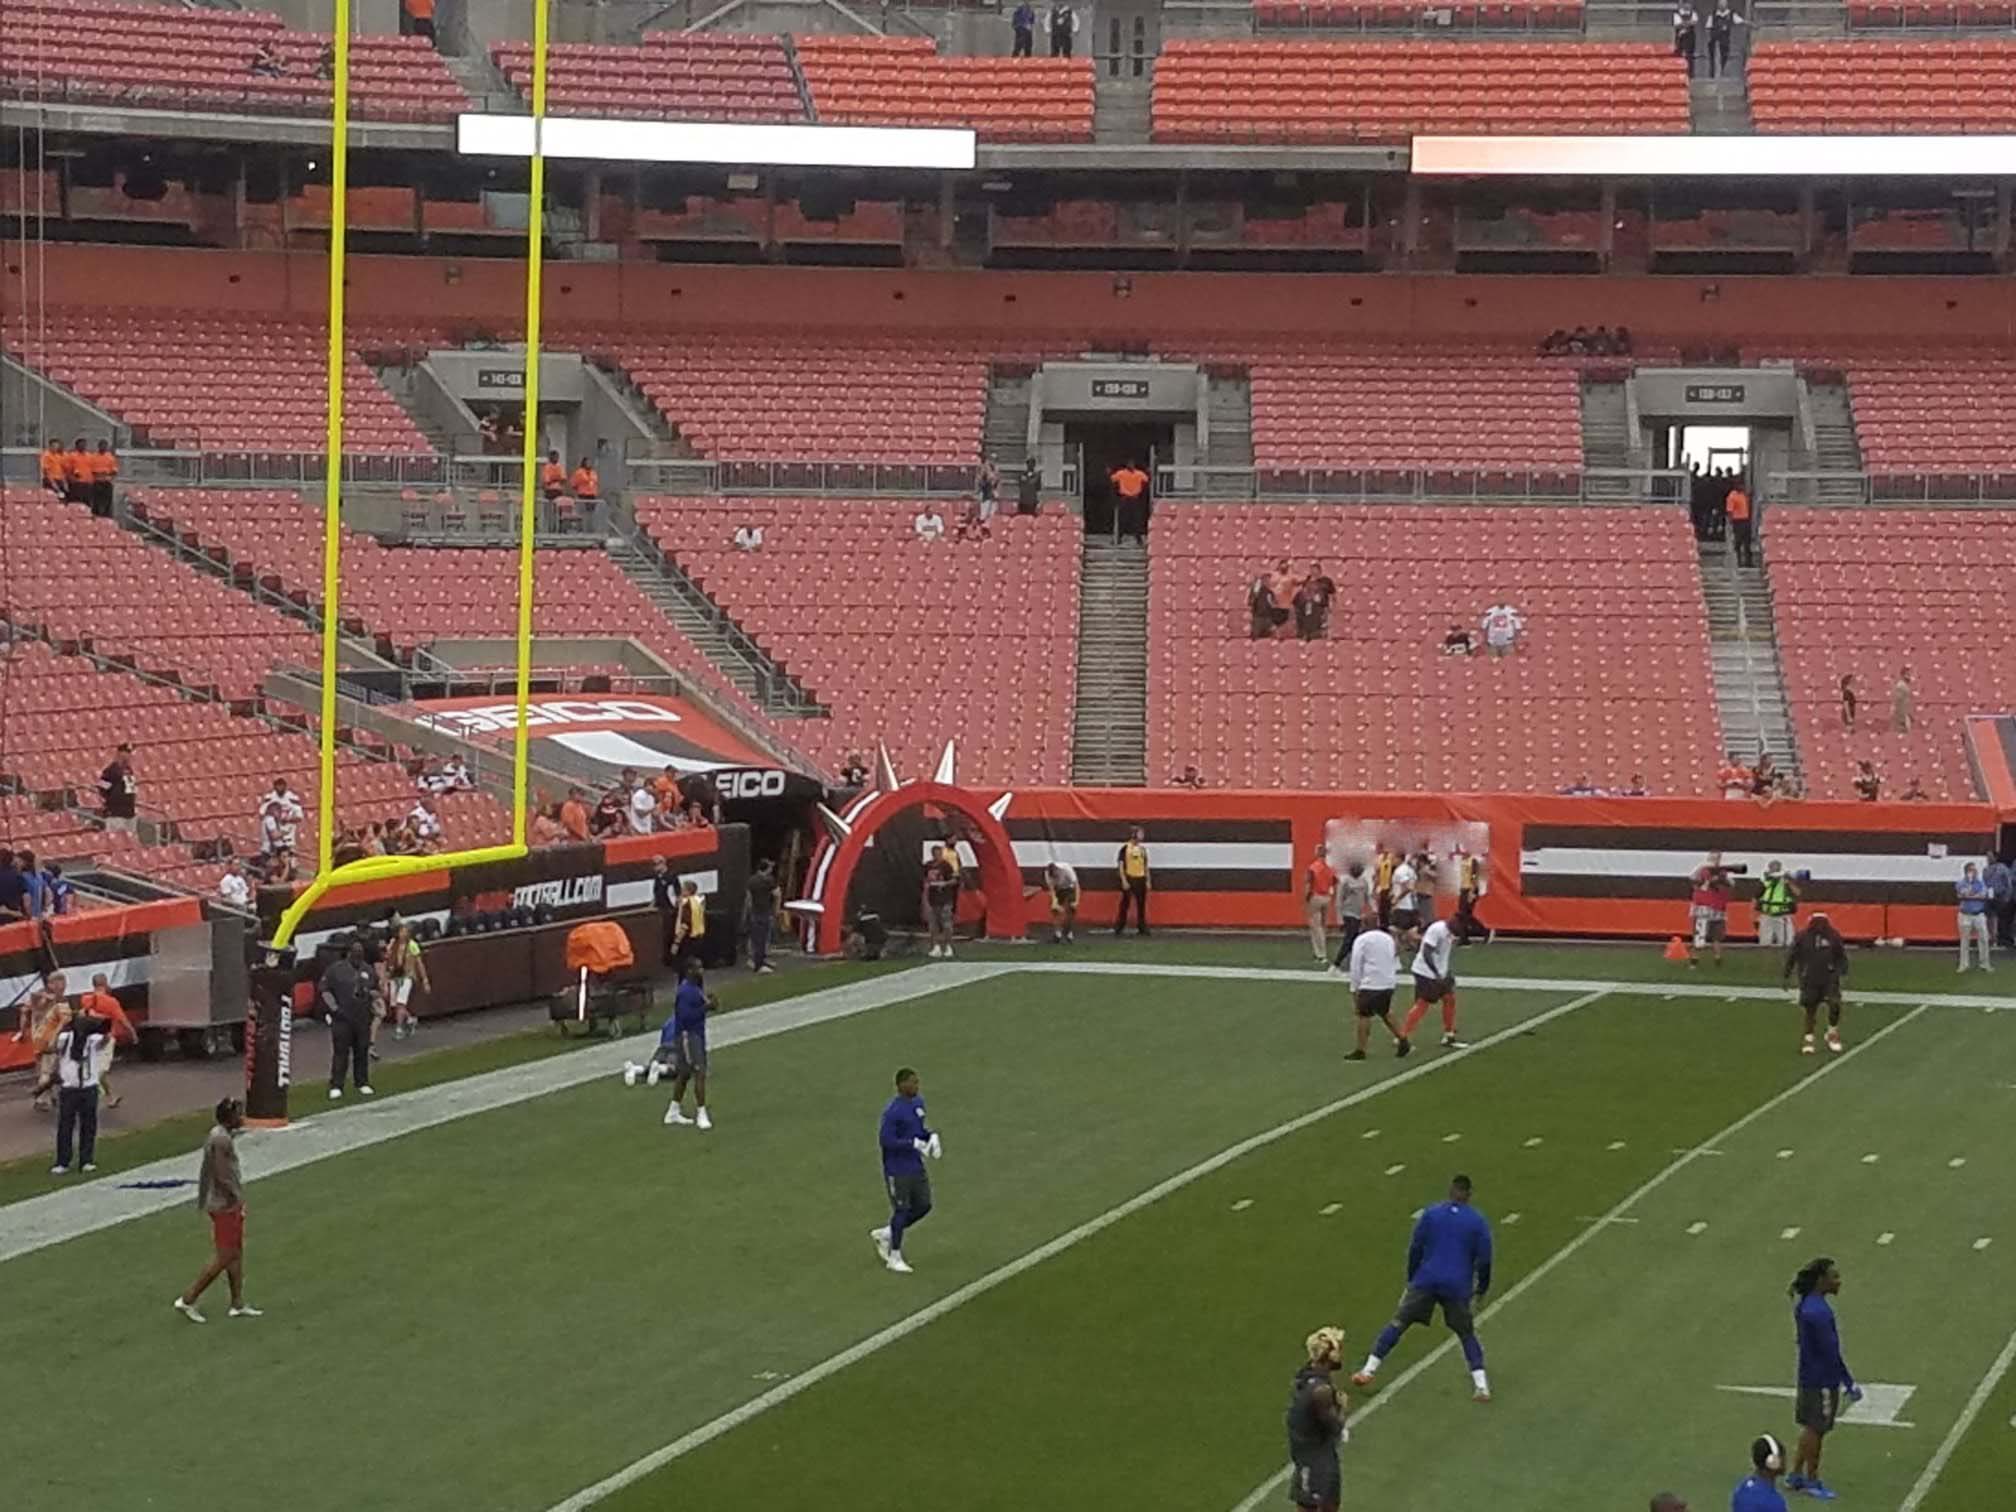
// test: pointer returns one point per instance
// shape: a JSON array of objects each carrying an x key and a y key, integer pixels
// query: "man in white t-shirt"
[
  {"x": 1062, "y": 880},
  {"x": 425, "y": 823},
  {"x": 280, "y": 816},
  {"x": 1435, "y": 982},
  {"x": 929, "y": 525},
  {"x": 1375, "y": 969},
  {"x": 233, "y": 888},
  {"x": 1502, "y": 624},
  {"x": 1400, "y": 892},
  {"x": 642, "y": 810},
  {"x": 749, "y": 538}
]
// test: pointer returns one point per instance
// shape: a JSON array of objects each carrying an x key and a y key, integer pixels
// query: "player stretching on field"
[
  {"x": 1316, "y": 1426},
  {"x": 1375, "y": 968},
  {"x": 1448, "y": 1265},
  {"x": 1821, "y": 960},
  {"x": 906, "y": 1140},
  {"x": 1435, "y": 982},
  {"x": 1823, "y": 1374},
  {"x": 220, "y": 1193},
  {"x": 685, "y": 1034}
]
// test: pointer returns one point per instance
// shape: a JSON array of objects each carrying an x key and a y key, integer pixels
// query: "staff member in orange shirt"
[
  {"x": 104, "y": 474},
  {"x": 78, "y": 472},
  {"x": 52, "y": 467},
  {"x": 1130, "y": 499},
  {"x": 1319, "y": 890},
  {"x": 419, "y": 16},
  {"x": 587, "y": 484},
  {"x": 574, "y": 814},
  {"x": 1740, "y": 526}
]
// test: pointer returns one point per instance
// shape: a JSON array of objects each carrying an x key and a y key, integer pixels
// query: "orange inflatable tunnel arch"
[{"x": 849, "y": 833}]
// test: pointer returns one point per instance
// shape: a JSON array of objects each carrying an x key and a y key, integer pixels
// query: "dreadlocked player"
[
  {"x": 1316, "y": 1425},
  {"x": 1821, "y": 961},
  {"x": 1823, "y": 1374}
]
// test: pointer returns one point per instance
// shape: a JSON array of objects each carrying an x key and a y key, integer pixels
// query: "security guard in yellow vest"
[
  {"x": 1132, "y": 865},
  {"x": 1469, "y": 887},
  {"x": 689, "y": 923},
  {"x": 1777, "y": 902}
]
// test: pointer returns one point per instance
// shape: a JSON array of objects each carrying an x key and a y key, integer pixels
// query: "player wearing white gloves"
[{"x": 906, "y": 1140}]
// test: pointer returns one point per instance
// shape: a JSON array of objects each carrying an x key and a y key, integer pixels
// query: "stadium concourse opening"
[{"x": 1106, "y": 447}]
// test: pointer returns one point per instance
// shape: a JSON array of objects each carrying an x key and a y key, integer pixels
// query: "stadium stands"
[
  {"x": 1925, "y": 411},
  {"x": 1466, "y": 15},
  {"x": 714, "y": 76},
  {"x": 216, "y": 382},
  {"x": 1411, "y": 405},
  {"x": 902, "y": 81},
  {"x": 1370, "y": 91},
  {"x": 1870, "y": 591},
  {"x": 1611, "y": 678},
  {"x": 181, "y": 57},
  {"x": 1959, "y": 85},
  {"x": 909, "y": 644},
  {"x": 83, "y": 579}
]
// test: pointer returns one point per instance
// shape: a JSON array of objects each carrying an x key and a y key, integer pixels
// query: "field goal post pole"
[{"x": 381, "y": 868}]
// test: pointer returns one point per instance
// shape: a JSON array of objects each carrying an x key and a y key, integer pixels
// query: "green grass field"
[{"x": 502, "y": 1311}]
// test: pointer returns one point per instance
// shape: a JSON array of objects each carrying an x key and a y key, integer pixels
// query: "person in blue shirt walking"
[
  {"x": 906, "y": 1140},
  {"x": 1823, "y": 1374},
  {"x": 1758, "y": 1491},
  {"x": 683, "y": 1043},
  {"x": 1972, "y": 893},
  {"x": 1448, "y": 1266}
]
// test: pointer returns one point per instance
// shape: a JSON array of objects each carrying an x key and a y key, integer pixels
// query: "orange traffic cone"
[{"x": 1676, "y": 949}]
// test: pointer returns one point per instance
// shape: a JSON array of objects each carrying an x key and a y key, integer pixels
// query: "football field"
[{"x": 1158, "y": 1178}]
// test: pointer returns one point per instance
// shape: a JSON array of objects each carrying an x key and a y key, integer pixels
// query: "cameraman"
[
  {"x": 1777, "y": 902},
  {"x": 1713, "y": 885}
]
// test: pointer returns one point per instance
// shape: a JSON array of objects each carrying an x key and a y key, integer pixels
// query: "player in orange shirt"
[{"x": 1319, "y": 884}]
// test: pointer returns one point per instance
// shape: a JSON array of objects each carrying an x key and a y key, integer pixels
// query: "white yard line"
[
  {"x": 1936, "y": 1466},
  {"x": 75, "y": 1210},
  {"x": 951, "y": 1302},
  {"x": 1596, "y": 1226}
]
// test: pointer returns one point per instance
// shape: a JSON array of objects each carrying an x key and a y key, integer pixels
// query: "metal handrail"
[
  {"x": 1626, "y": 485},
  {"x": 1960, "y": 489}
]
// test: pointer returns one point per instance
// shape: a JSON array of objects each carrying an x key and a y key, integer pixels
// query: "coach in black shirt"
[
  {"x": 346, "y": 994},
  {"x": 118, "y": 791}
]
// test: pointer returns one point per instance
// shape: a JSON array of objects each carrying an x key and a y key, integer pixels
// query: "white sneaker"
[
  {"x": 765, "y": 970},
  {"x": 948, "y": 952},
  {"x": 1834, "y": 1041},
  {"x": 1335, "y": 969},
  {"x": 703, "y": 1121},
  {"x": 655, "y": 1075},
  {"x": 59, "y": 1170},
  {"x": 335, "y": 1094},
  {"x": 90, "y": 1166},
  {"x": 675, "y": 1116},
  {"x": 1806, "y": 1046},
  {"x": 366, "y": 1091},
  {"x": 188, "y": 1310},
  {"x": 630, "y": 1070},
  {"x": 1960, "y": 968},
  {"x": 1450, "y": 1042},
  {"x": 897, "y": 1263},
  {"x": 938, "y": 951},
  {"x": 881, "y": 1238},
  {"x": 242, "y": 1311}
]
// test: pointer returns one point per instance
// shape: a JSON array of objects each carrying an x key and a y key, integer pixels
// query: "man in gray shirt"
[
  {"x": 220, "y": 1193},
  {"x": 346, "y": 995},
  {"x": 1354, "y": 902}
]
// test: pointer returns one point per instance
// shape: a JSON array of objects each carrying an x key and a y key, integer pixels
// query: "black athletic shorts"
[
  {"x": 1816, "y": 1408},
  {"x": 1375, "y": 1002},
  {"x": 1433, "y": 989},
  {"x": 1316, "y": 1483},
  {"x": 1820, "y": 994},
  {"x": 1418, "y": 1305},
  {"x": 909, "y": 1194}
]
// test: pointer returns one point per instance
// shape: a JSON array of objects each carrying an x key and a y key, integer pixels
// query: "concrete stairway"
[
  {"x": 1743, "y": 642},
  {"x": 1721, "y": 106},
  {"x": 710, "y": 627},
  {"x": 1120, "y": 109},
  {"x": 1109, "y": 739},
  {"x": 1229, "y": 404},
  {"x": 647, "y": 414},
  {"x": 403, "y": 384},
  {"x": 1836, "y": 448},
  {"x": 487, "y": 86},
  {"x": 1006, "y": 437},
  {"x": 1606, "y": 437}
]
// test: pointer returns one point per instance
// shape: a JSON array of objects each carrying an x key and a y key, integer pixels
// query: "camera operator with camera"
[{"x": 1713, "y": 885}]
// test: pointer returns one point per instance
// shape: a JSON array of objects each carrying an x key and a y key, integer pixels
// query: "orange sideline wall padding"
[{"x": 1878, "y": 869}]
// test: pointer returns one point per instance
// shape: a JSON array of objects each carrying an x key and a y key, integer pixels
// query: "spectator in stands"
[
  {"x": 1131, "y": 503},
  {"x": 1737, "y": 506},
  {"x": 233, "y": 888},
  {"x": 325, "y": 62},
  {"x": 1554, "y": 343},
  {"x": 416, "y": 18},
  {"x": 60, "y": 897},
  {"x": 546, "y": 826},
  {"x": 1635, "y": 788},
  {"x": 425, "y": 823},
  {"x": 1260, "y": 605},
  {"x": 989, "y": 491},
  {"x": 1733, "y": 777},
  {"x": 1620, "y": 341},
  {"x": 574, "y": 814},
  {"x": 1191, "y": 778},
  {"x": 973, "y": 523},
  {"x": 267, "y": 62},
  {"x": 1848, "y": 700},
  {"x": 119, "y": 791},
  {"x": 1312, "y": 603},
  {"x": 1502, "y": 626},
  {"x": 53, "y": 477},
  {"x": 666, "y": 786},
  {"x": 1458, "y": 642},
  {"x": 1722, "y": 24},
  {"x": 455, "y": 776},
  {"x": 13, "y": 889},
  {"x": 1914, "y": 792},
  {"x": 1764, "y": 777},
  {"x": 104, "y": 477},
  {"x": 642, "y": 809},
  {"x": 1868, "y": 782},
  {"x": 280, "y": 816},
  {"x": 34, "y": 886},
  {"x": 612, "y": 812},
  {"x": 1063, "y": 29},
  {"x": 854, "y": 771},
  {"x": 748, "y": 537},
  {"x": 1281, "y": 586},
  {"x": 1029, "y": 490},
  {"x": 1024, "y": 22},
  {"x": 1903, "y": 703},
  {"x": 929, "y": 525},
  {"x": 694, "y": 816},
  {"x": 586, "y": 483}
]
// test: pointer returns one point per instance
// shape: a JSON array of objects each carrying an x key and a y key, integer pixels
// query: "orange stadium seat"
[
  {"x": 178, "y": 57},
  {"x": 1612, "y": 677},
  {"x": 903, "y": 81},
  {"x": 671, "y": 76},
  {"x": 1964, "y": 85},
  {"x": 1869, "y": 591},
  {"x": 1374, "y": 91},
  {"x": 909, "y": 644}
]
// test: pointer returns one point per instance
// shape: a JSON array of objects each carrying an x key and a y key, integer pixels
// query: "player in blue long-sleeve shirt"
[
  {"x": 1823, "y": 1374},
  {"x": 1448, "y": 1265},
  {"x": 1758, "y": 1491},
  {"x": 906, "y": 1140}
]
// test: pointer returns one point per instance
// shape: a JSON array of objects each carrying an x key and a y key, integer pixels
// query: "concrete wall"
[
  {"x": 33, "y": 409},
  {"x": 1073, "y": 389},
  {"x": 1768, "y": 393}
]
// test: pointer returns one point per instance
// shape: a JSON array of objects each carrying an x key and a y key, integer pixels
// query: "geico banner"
[{"x": 1553, "y": 865}]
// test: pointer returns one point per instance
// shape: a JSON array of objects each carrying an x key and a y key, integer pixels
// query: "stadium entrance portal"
[
  {"x": 1712, "y": 448},
  {"x": 1104, "y": 447}
]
